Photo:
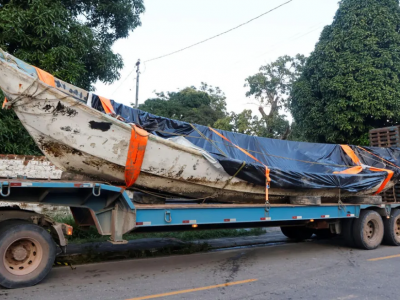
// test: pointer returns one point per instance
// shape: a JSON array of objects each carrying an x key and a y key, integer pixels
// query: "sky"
[{"x": 225, "y": 61}]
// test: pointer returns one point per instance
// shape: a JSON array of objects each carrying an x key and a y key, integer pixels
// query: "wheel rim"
[
  {"x": 23, "y": 256},
  {"x": 370, "y": 229},
  {"x": 397, "y": 228}
]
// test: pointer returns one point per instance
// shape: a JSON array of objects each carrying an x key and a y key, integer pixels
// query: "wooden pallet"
[
  {"x": 391, "y": 195},
  {"x": 385, "y": 137}
]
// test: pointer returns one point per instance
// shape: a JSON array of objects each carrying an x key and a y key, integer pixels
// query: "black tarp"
[{"x": 293, "y": 165}]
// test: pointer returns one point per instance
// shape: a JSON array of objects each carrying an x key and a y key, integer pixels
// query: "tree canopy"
[
  {"x": 70, "y": 39},
  {"x": 350, "y": 83},
  {"x": 202, "y": 106},
  {"x": 14, "y": 139},
  {"x": 271, "y": 88}
]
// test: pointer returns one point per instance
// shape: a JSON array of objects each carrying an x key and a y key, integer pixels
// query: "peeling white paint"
[{"x": 13, "y": 166}]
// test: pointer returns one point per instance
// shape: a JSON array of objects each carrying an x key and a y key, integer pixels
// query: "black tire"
[
  {"x": 35, "y": 250},
  {"x": 368, "y": 230},
  {"x": 297, "y": 233},
  {"x": 324, "y": 234},
  {"x": 392, "y": 229},
  {"x": 347, "y": 232}
]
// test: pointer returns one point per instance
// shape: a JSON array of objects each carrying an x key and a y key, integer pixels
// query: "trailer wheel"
[
  {"x": 392, "y": 229},
  {"x": 368, "y": 230},
  {"x": 347, "y": 232},
  {"x": 27, "y": 254},
  {"x": 297, "y": 233}
]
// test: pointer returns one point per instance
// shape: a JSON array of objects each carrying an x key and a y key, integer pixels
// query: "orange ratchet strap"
[
  {"x": 134, "y": 159},
  {"x": 267, "y": 182},
  {"x": 390, "y": 175},
  {"x": 268, "y": 179},
  {"x": 390, "y": 163},
  {"x": 4, "y": 103},
  {"x": 106, "y": 103},
  {"x": 350, "y": 152},
  {"x": 353, "y": 170},
  {"x": 357, "y": 169},
  {"x": 45, "y": 77},
  {"x": 49, "y": 79}
]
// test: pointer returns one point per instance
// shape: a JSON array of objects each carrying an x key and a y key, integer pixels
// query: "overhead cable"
[
  {"x": 203, "y": 41},
  {"x": 222, "y": 33}
]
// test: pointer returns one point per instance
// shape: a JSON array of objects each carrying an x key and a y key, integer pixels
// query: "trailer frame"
[{"x": 113, "y": 212}]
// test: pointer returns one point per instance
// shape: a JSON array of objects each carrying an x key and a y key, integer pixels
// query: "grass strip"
[{"x": 90, "y": 234}]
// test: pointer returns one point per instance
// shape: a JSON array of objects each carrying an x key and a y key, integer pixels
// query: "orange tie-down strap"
[
  {"x": 351, "y": 153},
  {"x": 357, "y": 169},
  {"x": 49, "y": 79},
  {"x": 107, "y": 106},
  {"x": 45, "y": 77},
  {"x": 4, "y": 103},
  {"x": 134, "y": 159},
  {"x": 384, "y": 183},
  {"x": 353, "y": 170},
  {"x": 268, "y": 179}
]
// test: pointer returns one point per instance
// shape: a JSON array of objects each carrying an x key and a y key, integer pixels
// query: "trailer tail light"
[
  {"x": 67, "y": 229},
  {"x": 297, "y": 217},
  {"x": 350, "y": 215},
  {"x": 143, "y": 223},
  {"x": 70, "y": 230},
  {"x": 189, "y": 221},
  {"x": 229, "y": 220}
]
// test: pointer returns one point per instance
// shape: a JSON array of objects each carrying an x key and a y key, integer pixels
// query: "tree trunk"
[
  {"x": 287, "y": 132},
  {"x": 273, "y": 101}
]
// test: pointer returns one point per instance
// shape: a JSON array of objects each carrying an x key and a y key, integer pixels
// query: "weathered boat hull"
[{"x": 80, "y": 139}]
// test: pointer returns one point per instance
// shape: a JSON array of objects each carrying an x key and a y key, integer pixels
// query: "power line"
[
  {"x": 203, "y": 41},
  {"x": 222, "y": 33},
  {"x": 289, "y": 39},
  {"x": 294, "y": 39},
  {"x": 122, "y": 82}
]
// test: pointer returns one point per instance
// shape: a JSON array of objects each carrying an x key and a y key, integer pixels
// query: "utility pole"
[{"x": 137, "y": 83}]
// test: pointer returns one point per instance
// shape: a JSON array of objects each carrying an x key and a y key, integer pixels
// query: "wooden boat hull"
[{"x": 80, "y": 139}]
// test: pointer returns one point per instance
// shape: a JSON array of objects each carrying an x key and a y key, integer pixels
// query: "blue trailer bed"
[{"x": 114, "y": 213}]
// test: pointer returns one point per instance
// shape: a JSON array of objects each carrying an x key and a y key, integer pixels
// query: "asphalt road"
[{"x": 309, "y": 270}]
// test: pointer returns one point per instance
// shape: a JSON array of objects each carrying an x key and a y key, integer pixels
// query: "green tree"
[
  {"x": 242, "y": 123},
  {"x": 271, "y": 88},
  {"x": 247, "y": 123},
  {"x": 14, "y": 139},
  {"x": 226, "y": 123},
  {"x": 202, "y": 106},
  {"x": 350, "y": 83},
  {"x": 70, "y": 39}
]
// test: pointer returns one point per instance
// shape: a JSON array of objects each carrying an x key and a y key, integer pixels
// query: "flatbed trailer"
[{"x": 28, "y": 240}]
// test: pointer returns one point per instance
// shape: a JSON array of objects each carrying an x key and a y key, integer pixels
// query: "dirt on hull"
[{"x": 79, "y": 162}]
